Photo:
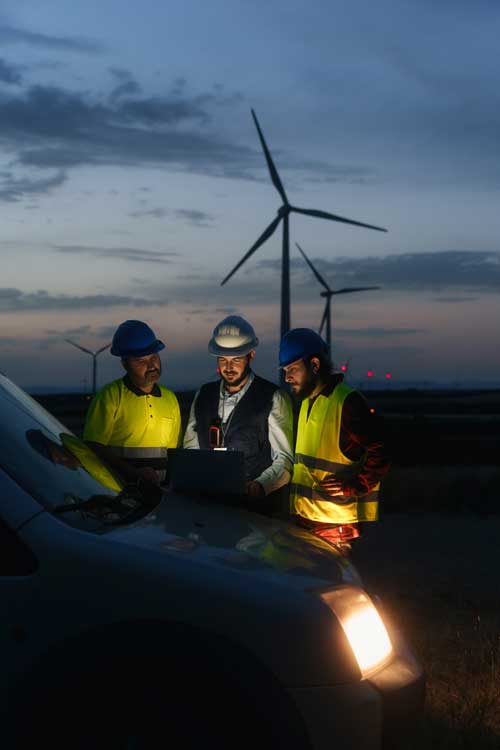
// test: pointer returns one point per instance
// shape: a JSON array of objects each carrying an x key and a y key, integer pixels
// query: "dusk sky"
[{"x": 132, "y": 180}]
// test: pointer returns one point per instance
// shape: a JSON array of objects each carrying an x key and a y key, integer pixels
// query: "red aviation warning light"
[
  {"x": 388, "y": 376},
  {"x": 369, "y": 374},
  {"x": 343, "y": 368}
]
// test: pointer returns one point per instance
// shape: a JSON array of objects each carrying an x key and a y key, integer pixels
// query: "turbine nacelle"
[{"x": 327, "y": 294}]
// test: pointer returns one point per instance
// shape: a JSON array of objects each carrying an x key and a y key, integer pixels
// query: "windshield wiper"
[
  {"x": 94, "y": 501},
  {"x": 132, "y": 500}
]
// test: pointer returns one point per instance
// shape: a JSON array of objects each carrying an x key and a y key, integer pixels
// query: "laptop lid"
[{"x": 210, "y": 472}]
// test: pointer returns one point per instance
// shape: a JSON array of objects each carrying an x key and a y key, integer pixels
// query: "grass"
[
  {"x": 459, "y": 645},
  {"x": 448, "y": 607}
]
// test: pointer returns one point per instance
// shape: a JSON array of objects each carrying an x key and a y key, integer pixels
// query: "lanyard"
[{"x": 225, "y": 428}]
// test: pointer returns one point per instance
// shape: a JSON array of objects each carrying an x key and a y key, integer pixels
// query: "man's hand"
[
  {"x": 255, "y": 489},
  {"x": 331, "y": 485}
]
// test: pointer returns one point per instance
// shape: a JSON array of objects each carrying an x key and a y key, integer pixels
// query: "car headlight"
[{"x": 363, "y": 626}]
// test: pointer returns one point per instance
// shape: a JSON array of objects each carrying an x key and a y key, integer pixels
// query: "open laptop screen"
[{"x": 210, "y": 472}]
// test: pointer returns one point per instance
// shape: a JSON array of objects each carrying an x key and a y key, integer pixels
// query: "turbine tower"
[
  {"x": 94, "y": 356},
  {"x": 329, "y": 293},
  {"x": 283, "y": 215}
]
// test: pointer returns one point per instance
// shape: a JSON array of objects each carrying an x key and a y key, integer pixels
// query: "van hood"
[{"x": 208, "y": 533}]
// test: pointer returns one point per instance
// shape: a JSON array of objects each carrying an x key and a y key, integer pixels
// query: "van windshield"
[{"x": 45, "y": 458}]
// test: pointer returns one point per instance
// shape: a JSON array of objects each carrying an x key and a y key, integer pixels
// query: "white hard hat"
[{"x": 232, "y": 337}]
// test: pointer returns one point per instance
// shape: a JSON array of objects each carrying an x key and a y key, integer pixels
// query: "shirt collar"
[
  {"x": 333, "y": 381},
  {"x": 239, "y": 394},
  {"x": 156, "y": 392}
]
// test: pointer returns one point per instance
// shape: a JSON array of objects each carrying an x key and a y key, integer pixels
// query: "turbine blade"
[
  {"x": 103, "y": 348},
  {"x": 272, "y": 169},
  {"x": 315, "y": 272},
  {"x": 82, "y": 348},
  {"x": 348, "y": 290},
  {"x": 333, "y": 217},
  {"x": 323, "y": 319},
  {"x": 263, "y": 237}
]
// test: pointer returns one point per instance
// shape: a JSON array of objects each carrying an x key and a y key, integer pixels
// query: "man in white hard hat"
[{"x": 243, "y": 411}]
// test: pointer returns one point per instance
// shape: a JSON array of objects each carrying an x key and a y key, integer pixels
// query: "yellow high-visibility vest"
[
  {"x": 318, "y": 454},
  {"x": 135, "y": 426}
]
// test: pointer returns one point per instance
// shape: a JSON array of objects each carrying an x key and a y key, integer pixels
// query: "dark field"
[
  {"x": 438, "y": 576},
  {"x": 434, "y": 557}
]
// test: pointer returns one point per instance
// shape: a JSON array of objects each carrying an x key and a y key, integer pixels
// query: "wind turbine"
[
  {"x": 329, "y": 293},
  {"x": 94, "y": 356},
  {"x": 283, "y": 215}
]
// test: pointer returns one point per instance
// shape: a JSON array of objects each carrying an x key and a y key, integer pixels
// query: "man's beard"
[
  {"x": 151, "y": 376},
  {"x": 306, "y": 388},
  {"x": 238, "y": 381}
]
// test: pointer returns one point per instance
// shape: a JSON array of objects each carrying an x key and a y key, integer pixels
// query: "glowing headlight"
[{"x": 363, "y": 626}]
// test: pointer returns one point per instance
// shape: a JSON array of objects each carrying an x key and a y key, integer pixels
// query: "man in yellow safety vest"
[
  {"x": 132, "y": 421},
  {"x": 339, "y": 455}
]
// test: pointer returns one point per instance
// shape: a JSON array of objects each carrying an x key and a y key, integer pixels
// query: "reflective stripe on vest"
[
  {"x": 332, "y": 467},
  {"x": 317, "y": 455},
  {"x": 156, "y": 458},
  {"x": 313, "y": 494},
  {"x": 138, "y": 452}
]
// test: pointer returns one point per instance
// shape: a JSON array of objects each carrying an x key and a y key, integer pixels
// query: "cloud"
[
  {"x": 105, "y": 332},
  {"x": 226, "y": 310},
  {"x": 190, "y": 216},
  {"x": 451, "y": 269},
  {"x": 12, "y": 35},
  {"x": 378, "y": 332},
  {"x": 127, "y": 86},
  {"x": 155, "y": 213},
  {"x": 13, "y": 189},
  {"x": 9, "y": 73},
  {"x": 119, "y": 253},
  {"x": 50, "y": 127},
  {"x": 454, "y": 300},
  {"x": 80, "y": 331},
  {"x": 15, "y": 300},
  {"x": 155, "y": 110},
  {"x": 193, "y": 217}
]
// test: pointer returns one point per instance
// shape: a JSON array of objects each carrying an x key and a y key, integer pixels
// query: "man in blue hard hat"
[
  {"x": 244, "y": 412},
  {"x": 339, "y": 453},
  {"x": 132, "y": 421}
]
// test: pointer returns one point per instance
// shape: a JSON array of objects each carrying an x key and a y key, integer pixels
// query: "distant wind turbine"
[
  {"x": 94, "y": 356},
  {"x": 329, "y": 293},
  {"x": 283, "y": 214}
]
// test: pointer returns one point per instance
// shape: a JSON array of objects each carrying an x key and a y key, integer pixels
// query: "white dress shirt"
[{"x": 280, "y": 428}]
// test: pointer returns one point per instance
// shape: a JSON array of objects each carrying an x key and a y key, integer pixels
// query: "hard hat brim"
[
  {"x": 291, "y": 362},
  {"x": 224, "y": 351},
  {"x": 153, "y": 348}
]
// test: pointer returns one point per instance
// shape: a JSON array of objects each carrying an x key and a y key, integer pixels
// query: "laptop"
[{"x": 208, "y": 472}]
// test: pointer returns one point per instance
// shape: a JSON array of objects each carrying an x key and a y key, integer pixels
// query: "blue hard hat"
[
  {"x": 300, "y": 343},
  {"x": 133, "y": 338}
]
